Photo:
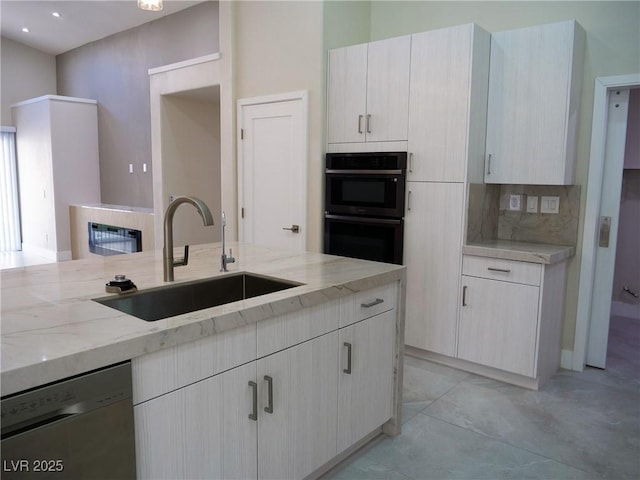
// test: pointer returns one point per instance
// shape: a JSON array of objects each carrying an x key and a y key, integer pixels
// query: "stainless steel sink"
[{"x": 176, "y": 299}]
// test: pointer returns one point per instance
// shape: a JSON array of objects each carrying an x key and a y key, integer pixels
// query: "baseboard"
[{"x": 627, "y": 310}]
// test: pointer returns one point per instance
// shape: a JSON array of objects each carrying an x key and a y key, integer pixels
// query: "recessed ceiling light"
[
  {"x": 25, "y": 29},
  {"x": 56, "y": 14}
]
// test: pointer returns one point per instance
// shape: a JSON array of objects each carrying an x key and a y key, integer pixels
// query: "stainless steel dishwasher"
[{"x": 80, "y": 427}]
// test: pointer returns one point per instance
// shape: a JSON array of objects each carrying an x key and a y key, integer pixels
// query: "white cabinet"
[
  {"x": 449, "y": 75},
  {"x": 272, "y": 405},
  {"x": 368, "y": 92},
  {"x": 297, "y": 409},
  {"x": 57, "y": 153},
  {"x": 447, "y": 104},
  {"x": 199, "y": 431},
  {"x": 534, "y": 98},
  {"x": 433, "y": 249},
  {"x": 366, "y": 377},
  {"x": 511, "y": 316}
]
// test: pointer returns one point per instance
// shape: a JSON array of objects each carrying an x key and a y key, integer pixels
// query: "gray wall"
[
  {"x": 24, "y": 73},
  {"x": 114, "y": 71}
]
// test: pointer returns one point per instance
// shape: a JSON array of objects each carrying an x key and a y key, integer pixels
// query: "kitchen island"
[{"x": 51, "y": 329}]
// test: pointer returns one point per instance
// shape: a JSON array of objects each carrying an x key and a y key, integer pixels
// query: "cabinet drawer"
[
  {"x": 499, "y": 269},
  {"x": 368, "y": 303},
  {"x": 282, "y": 332}
]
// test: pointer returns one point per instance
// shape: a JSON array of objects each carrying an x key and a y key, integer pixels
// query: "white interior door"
[
  {"x": 272, "y": 158},
  {"x": 606, "y": 241}
]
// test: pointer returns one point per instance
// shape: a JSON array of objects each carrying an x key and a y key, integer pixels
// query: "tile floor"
[{"x": 456, "y": 425}]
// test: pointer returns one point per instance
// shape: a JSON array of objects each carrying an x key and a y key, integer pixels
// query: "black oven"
[
  {"x": 368, "y": 238},
  {"x": 371, "y": 184},
  {"x": 364, "y": 205}
]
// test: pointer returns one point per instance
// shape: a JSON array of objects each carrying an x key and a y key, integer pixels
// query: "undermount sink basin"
[{"x": 176, "y": 299}]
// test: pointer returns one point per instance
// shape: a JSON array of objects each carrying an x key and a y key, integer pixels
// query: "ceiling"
[{"x": 80, "y": 21}]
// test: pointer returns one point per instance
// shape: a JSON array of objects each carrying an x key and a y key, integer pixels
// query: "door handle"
[
  {"x": 409, "y": 201},
  {"x": 605, "y": 230},
  {"x": 293, "y": 228},
  {"x": 489, "y": 164},
  {"x": 464, "y": 296},
  {"x": 360, "y": 123},
  {"x": 368, "y": 123},
  {"x": 254, "y": 410},
  {"x": 348, "y": 369},
  {"x": 269, "y": 407},
  {"x": 410, "y": 162}
]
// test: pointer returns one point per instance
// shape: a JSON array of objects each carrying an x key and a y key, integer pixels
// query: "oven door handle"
[
  {"x": 365, "y": 172},
  {"x": 386, "y": 221}
]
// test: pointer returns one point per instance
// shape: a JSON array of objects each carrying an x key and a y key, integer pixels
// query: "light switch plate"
[
  {"x": 131, "y": 168},
  {"x": 514, "y": 202},
  {"x": 549, "y": 204},
  {"x": 532, "y": 204}
]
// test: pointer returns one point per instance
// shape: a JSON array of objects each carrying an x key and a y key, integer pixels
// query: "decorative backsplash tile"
[{"x": 489, "y": 216}]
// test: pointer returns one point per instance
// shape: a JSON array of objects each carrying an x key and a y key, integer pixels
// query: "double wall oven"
[{"x": 364, "y": 205}]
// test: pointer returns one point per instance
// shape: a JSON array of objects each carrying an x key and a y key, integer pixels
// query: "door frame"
[
  {"x": 597, "y": 162},
  {"x": 300, "y": 95}
]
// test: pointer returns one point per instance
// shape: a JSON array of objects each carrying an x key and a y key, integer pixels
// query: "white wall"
[{"x": 24, "y": 73}]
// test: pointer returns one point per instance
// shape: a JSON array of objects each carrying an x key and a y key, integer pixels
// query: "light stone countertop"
[
  {"x": 50, "y": 329},
  {"x": 520, "y": 251}
]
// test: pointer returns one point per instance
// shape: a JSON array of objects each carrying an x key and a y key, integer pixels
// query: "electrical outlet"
[
  {"x": 549, "y": 204},
  {"x": 532, "y": 204},
  {"x": 144, "y": 168},
  {"x": 131, "y": 168},
  {"x": 514, "y": 202}
]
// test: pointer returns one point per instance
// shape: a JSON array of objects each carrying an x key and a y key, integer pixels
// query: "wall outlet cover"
[
  {"x": 550, "y": 205},
  {"x": 514, "y": 202},
  {"x": 532, "y": 204}
]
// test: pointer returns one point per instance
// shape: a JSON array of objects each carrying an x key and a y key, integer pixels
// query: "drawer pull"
[
  {"x": 502, "y": 270},
  {"x": 348, "y": 369},
  {"x": 464, "y": 296},
  {"x": 377, "y": 301},
  {"x": 269, "y": 407},
  {"x": 254, "y": 413},
  {"x": 360, "y": 123}
]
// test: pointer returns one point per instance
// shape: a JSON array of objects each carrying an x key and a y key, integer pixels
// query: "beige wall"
[
  {"x": 24, "y": 73},
  {"x": 114, "y": 72},
  {"x": 279, "y": 49}
]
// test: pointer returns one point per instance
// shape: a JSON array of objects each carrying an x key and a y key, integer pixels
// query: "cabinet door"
[
  {"x": 498, "y": 324},
  {"x": 388, "y": 89},
  {"x": 299, "y": 435},
  {"x": 439, "y": 104},
  {"x": 532, "y": 117},
  {"x": 432, "y": 249},
  {"x": 347, "y": 95},
  {"x": 199, "y": 431},
  {"x": 365, "y": 390}
]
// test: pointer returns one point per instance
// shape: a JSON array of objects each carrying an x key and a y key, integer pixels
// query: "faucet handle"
[
  {"x": 230, "y": 258},
  {"x": 181, "y": 262}
]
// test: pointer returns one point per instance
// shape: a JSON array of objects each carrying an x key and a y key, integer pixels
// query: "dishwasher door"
[{"x": 80, "y": 428}]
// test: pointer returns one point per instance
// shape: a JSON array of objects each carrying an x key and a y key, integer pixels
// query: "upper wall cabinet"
[
  {"x": 447, "y": 107},
  {"x": 535, "y": 82},
  {"x": 368, "y": 97}
]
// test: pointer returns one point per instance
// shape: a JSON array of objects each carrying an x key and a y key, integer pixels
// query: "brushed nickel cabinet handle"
[
  {"x": 409, "y": 201},
  {"x": 368, "y": 123},
  {"x": 269, "y": 407},
  {"x": 464, "y": 296},
  {"x": 489, "y": 165},
  {"x": 254, "y": 412},
  {"x": 360, "y": 123},
  {"x": 377, "y": 301},
  {"x": 348, "y": 369},
  {"x": 502, "y": 270},
  {"x": 411, "y": 162}
]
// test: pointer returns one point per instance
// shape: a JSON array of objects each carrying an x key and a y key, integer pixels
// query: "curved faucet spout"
[{"x": 207, "y": 218}]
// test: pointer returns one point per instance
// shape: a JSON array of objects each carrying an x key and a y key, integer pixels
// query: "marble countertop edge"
[{"x": 521, "y": 251}]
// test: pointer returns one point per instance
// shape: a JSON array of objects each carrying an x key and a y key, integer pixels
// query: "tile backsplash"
[{"x": 489, "y": 217}]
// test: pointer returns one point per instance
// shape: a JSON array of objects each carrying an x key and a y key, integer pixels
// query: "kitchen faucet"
[
  {"x": 169, "y": 262},
  {"x": 224, "y": 258}
]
